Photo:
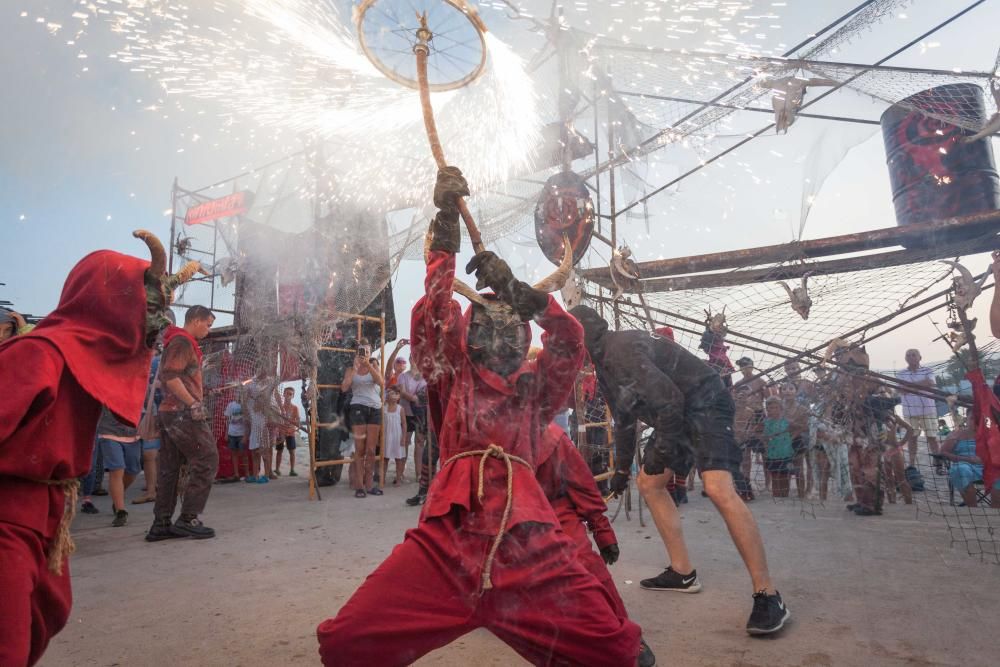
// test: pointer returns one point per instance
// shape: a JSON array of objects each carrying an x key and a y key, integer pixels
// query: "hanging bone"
[
  {"x": 966, "y": 287},
  {"x": 992, "y": 126},
  {"x": 623, "y": 270},
  {"x": 789, "y": 91},
  {"x": 801, "y": 302},
  {"x": 716, "y": 323},
  {"x": 572, "y": 292}
]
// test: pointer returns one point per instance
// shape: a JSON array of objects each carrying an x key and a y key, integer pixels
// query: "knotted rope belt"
[
  {"x": 495, "y": 451},
  {"x": 62, "y": 545}
]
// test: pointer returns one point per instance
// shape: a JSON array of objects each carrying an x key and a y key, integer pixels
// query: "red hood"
[
  {"x": 548, "y": 442},
  {"x": 99, "y": 327}
]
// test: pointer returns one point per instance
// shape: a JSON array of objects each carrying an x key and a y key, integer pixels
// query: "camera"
[{"x": 364, "y": 351}]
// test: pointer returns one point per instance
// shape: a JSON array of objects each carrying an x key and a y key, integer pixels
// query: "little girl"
[
  {"x": 780, "y": 453},
  {"x": 395, "y": 427}
]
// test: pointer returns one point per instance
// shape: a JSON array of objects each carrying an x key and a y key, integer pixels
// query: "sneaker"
[
  {"x": 161, "y": 530},
  {"x": 670, "y": 580},
  {"x": 250, "y": 479},
  {"x": 262, "y": 479},
  {"x": 88, "y": 508},
  {"x": 192, "y": 528},
  {"x": 646, "y": 657},
  {"x": 121, "y": 518},
  {"x": 418, "y": 499},
  {"x": 769, "y": 614},
  {"x": 375, "y": 491},
  {"x": 292, "y": 473},
  {"x": 866, "y": 511},
  {"x": 360, "y": 493}
]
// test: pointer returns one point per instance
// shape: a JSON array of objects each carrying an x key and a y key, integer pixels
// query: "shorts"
[
  {"x": 779, "y": 466},
  {"x": 150, "y": 445},
  {"x": 417, "y": 422},
  {"x": 799, "y": 445},
  {"x": 363, "y": 414},
  {"x": 710, "y": 443},
  {"x": 926, "y": 423},
  {"x": 289, "y": 442},
  {"x": 121, "y": 455},
  {"x": 236, "y": 443}
]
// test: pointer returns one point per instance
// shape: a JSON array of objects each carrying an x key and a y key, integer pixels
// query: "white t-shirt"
[
  {"x": 237, "y": 427},
  {"x": 411, "y": 385},
  {"x": 913, "y": 405}
]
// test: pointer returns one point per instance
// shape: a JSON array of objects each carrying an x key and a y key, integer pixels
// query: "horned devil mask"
[
  {"x": 160, "y": 286},
  {"x": 497, "y": 339}
]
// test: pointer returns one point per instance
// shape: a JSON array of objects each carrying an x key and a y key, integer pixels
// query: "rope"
[
  {"x": 62, "y": 546},
  {"x": 495, "y": 451}
]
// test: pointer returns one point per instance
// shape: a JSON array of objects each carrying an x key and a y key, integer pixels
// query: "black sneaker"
[
  {"x": 866, "y": 511},
  {"x": 646, "y": 657},
  {"x": 673, "y": 581},
  {"x": 418, "y": 499},
  {"x": 161, "y": 530},
  {"x": 769, "y": 614},
  {"x": 192, "y": 528},
  {"x": 121, "y": 518},
  {"x": 88, "y": 507}
]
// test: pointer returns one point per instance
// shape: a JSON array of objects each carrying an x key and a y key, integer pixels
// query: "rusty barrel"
[{"x": 934, "y": 173}]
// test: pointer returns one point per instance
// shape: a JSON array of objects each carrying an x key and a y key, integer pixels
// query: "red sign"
[{"x": 237, "y": 203}]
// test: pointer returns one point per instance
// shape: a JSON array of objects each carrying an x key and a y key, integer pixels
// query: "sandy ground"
[{"x": 863, "y": 591}]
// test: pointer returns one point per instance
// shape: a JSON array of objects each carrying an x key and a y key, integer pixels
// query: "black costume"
[{"x": 647, "y": 377}]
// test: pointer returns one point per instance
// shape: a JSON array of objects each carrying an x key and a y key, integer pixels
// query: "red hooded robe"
[{"x": 89, "y": 352}]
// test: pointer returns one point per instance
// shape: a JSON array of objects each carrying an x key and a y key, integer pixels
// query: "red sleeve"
[
  {"x": 560, "y": 359},
  {"x": 31, "y": 372},
  {"x": 583, "y": 493},
  {"x": 437, "y": 328}
]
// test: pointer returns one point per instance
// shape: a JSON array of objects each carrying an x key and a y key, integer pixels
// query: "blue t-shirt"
[
  {"x": 237, "y": 426},
  {"x": 778, "y": 439}
]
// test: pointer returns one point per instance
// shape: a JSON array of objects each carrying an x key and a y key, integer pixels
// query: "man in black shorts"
[{"x": 646, "y": 377}]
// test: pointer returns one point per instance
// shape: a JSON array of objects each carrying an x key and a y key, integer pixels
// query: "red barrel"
[{"x": 934, "y": 173}]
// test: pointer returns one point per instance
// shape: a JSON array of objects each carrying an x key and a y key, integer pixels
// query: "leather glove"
[
  {"x": 446, "y": 235},
  {"x": 527, "y": 301},
  {"x": 198, "y": 412},
  {"x": 618, "y": 482},
  {"x": 491, "y": 271},
  {"x": 610, "y": 554}
]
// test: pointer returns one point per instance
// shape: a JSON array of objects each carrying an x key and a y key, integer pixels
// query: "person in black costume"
[{"x": 646, "y": 377}]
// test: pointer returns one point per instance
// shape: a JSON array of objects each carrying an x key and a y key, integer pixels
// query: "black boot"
[
  {"x": 161, "y": 530},
  {"x": 418, "y": 499},
  {"x": 190, "y": 526},
  {"x": 646, "y": 656}
]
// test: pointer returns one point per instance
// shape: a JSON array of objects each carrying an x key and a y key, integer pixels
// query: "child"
[
  {"x": 395, "y": 427},
  {"x": 236, "y": 434},
  {"x": 779, "y": 447}
]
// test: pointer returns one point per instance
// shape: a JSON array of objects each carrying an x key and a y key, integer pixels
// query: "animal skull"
[
  {"x": 623, "y": 269},
  {"x": 801, "y": 302},
  {"x": 966, "y": 287},
  {"x": 716, "y": 323}
]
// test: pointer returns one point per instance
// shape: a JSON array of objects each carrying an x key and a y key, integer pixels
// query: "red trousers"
[
  {"x": 34, "y": 603},
  {"x": 544, "y": 604},
  {"x": 593, "y": 562}
]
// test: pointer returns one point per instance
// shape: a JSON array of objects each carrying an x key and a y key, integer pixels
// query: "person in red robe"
[
  {"x": 93, "y": 350},
  {"x": 487, "y": 551}
]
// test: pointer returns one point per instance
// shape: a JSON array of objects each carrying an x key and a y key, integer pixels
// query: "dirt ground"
[{"x": 862, "y": 591}]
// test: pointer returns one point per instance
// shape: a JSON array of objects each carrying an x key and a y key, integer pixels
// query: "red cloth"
[
  {"x": 987, "y": 410},
  {"x": 472, "y": 407},
  {"x": 35, "y": 604},
  {"x": 90, "y": 351},
  {"x": 666, "y": 332},
  {"x": 543, "y": 604},
  {"x": 172, "y": 332}
]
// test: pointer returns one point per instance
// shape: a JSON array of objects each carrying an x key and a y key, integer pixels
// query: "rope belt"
[
  {"x": 62, "y": 545},
  {"x": 495, "y": 451}
]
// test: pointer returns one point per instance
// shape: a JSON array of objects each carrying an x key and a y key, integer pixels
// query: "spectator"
[
  {"x": 920, "y": 411},
  {"x": 413, "y": 397},
  {"x": 780, "y": 450},
  {"x": 748, "y": 397},
  {"x": 186, "y": 436},
  {"x": 12, "y": 324},
  {"x": 966, "y": 468},
  {"x": 91, "y": 480},
  {"x": 122, "y": 454},
  {"x": 395, "y": 366},
  {"x": 363, "y": 381},
  {"x": 289, "y": 429},
  {"x": 943, "y": 429},
  {"x": 259, "y": 395},
  {"x": 797, "y": 417},
  {"x": 236, "y": 438},
  {"x": 395, "y": 427},
  {"x": 149, "y": 434}
]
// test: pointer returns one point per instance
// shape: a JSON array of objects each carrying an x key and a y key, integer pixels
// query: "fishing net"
[{"x": 833, "y": 414}]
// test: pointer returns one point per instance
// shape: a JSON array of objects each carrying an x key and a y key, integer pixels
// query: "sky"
[{"x": 89, "y": 153}]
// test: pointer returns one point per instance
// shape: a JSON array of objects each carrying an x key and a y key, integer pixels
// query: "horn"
[
  {"x": 557, "y": 279},
  {"x": 958, "y": 267},
  {"x": 186, "y": 272},
  {"x": 475, "y": 297},
  {"x": 158, "y": 256},
  {"x": 787, "y": 288},
  {"x": 805, "y": 279}
]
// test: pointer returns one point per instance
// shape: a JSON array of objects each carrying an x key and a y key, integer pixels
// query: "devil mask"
[
  {"x": 159, "y": 286},
  {"x": 497, "y": 339}
]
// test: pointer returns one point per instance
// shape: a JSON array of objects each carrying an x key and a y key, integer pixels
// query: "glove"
[
  {"x": 446, "y": 236},
  {"x": 610, "y": 554},
  {"x": 527, "y": 301},
  {"x": 198, "y": 412},
  {"x": 492, "y": 272},
  {"x": 619, "y": 482}
]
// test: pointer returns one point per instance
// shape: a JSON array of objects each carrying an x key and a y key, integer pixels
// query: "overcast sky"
[{"x": 85, "y": 160}]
